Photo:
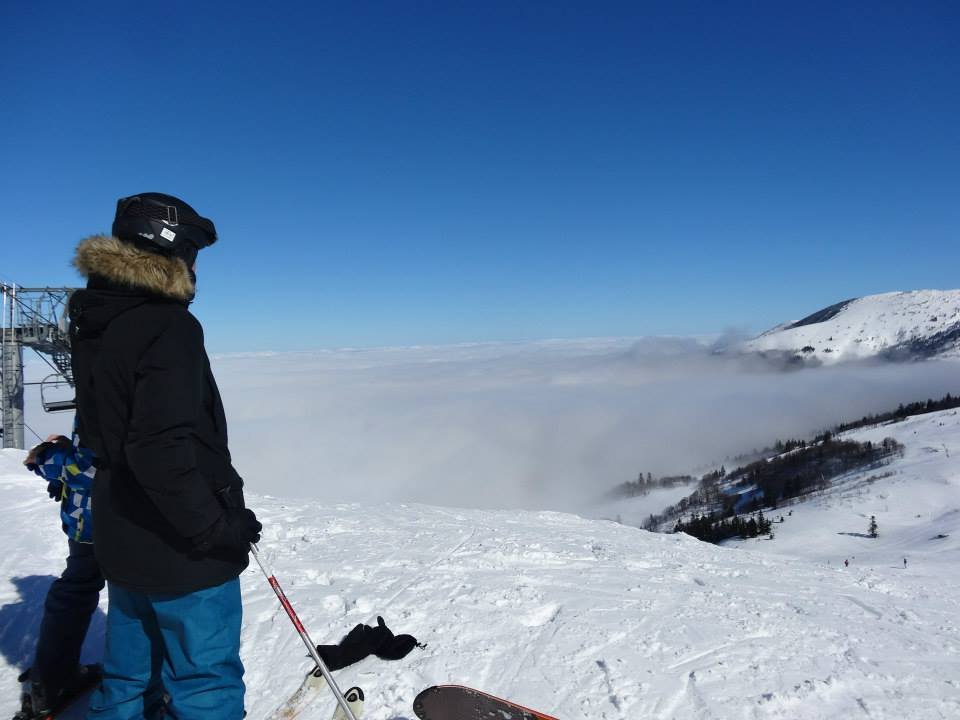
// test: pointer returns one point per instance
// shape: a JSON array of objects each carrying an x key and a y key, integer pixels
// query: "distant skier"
[
  {"x": 73, "y": 598},
  {"x": 846, "y": 563},
  {"x": 904, "y": 563}
]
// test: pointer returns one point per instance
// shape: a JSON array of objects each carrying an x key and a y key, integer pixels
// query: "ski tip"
[{"x": 354, "y": 698}]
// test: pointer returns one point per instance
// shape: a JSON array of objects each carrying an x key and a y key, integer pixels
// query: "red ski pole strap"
[{"x": 286, "y": 604}]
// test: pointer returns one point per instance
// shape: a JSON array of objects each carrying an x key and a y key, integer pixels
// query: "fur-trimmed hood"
[{"x": 129, "y": 266}]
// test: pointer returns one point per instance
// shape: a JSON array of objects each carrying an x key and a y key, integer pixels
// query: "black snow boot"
[
  {"x": 26, "y": 708},
  {"x": 43, "y": 698}
]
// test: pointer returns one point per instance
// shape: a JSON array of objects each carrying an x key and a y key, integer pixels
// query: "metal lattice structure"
[{"x": 34, "y": 318}]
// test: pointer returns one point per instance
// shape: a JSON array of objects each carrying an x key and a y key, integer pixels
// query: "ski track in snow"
[{"x": 589, "y": 619}]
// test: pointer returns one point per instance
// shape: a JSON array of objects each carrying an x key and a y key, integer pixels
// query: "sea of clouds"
[
  {"x": 545, "y": 425},
  {"x": 540, "y": 425}
]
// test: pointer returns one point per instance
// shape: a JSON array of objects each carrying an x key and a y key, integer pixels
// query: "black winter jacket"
[{"x": 149, "y": 408}]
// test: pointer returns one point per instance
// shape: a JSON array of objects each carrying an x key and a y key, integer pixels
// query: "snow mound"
[{"x": 898, "y": 325}]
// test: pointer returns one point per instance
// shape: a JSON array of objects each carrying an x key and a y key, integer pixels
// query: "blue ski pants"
[{"x": 187, "y": 645}]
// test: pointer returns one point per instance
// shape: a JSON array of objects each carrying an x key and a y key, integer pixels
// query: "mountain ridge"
[{"x": 897, "y": 326}]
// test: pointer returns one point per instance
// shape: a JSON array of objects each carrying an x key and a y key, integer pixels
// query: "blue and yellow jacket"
[{"x": 73, "y": 465}]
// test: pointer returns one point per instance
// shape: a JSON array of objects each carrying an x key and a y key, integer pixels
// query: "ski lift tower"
[{"x": 34, "y": 318}]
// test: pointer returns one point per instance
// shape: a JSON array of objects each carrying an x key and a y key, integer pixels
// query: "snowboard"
[
  {"x": 456, "y": 702},
  {"x": 67, "y": 702}
]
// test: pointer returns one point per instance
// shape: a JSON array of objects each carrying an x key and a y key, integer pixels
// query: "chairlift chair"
[{"x": 50, "y": 387}]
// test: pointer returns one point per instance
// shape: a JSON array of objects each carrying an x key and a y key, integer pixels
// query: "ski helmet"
[{"x": 162, "y": 223}]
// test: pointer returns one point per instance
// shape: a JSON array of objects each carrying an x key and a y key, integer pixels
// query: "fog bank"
[
  {"x": 545, "y": 425},
  {"x": 538, "y": 425}
]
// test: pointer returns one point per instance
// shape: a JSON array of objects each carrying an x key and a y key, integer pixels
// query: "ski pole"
[{"x": 311, "y": 648}]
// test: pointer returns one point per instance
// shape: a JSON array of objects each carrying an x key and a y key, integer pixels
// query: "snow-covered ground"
[
  {"x": 915, "y": 499},
  {"x": 871, "y": 326},
  {"x": 590, "y": 619}
]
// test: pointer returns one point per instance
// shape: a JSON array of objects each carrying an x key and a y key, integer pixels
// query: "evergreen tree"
[
  {"x": 763, "y": 526},
  {"x": 873, "y": 526}
]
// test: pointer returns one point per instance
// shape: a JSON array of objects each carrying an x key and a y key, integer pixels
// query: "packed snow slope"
[
  {"x": 589, "y": 619},
  {"x": 915, "y": 500},
  {"x": 897, "y": 325}
]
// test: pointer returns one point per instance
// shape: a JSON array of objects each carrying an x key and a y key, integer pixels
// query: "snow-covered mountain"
[
  {"x": 898, "y": 325},
  {"x": 589, "y": 619}
]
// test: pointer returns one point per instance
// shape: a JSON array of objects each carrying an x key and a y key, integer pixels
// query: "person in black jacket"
[{"x": 171, "y": 531}]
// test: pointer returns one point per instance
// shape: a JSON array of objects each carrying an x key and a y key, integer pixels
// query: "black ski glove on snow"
[
  {"x": 394, "y": 647},
  {"x": 235, "y": 530},
  {"x": 365, "y": 640}
]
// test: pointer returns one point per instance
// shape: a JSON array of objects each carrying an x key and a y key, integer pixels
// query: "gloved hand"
[
  {"x": 235, "y": 530},
  {"x": 38, "y": 453},
  {"x": 35, "y": 457}
]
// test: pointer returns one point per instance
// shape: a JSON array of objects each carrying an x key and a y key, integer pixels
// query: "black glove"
[
  {"x": 38, "y": 454},
  {"x": 35, "y": 457},
  {"x": 395, "y": 647},
  {"x": 365, "y": 640},
  {"x": 235, "y": 530}
]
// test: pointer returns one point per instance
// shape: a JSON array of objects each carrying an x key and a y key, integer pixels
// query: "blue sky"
[{"x": 400, "y": 173}]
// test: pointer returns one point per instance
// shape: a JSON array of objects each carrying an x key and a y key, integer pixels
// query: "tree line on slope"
[
  {"x": 922, "y": 407},
  {"x": 805, "y": 468},
  {"x": 710, "y": 528},
  {"x": 947, "y": 402},
  {"x": 645, "y": 484}
]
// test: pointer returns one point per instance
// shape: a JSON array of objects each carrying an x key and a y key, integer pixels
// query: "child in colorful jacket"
[{"x": 69, "y": 469}]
